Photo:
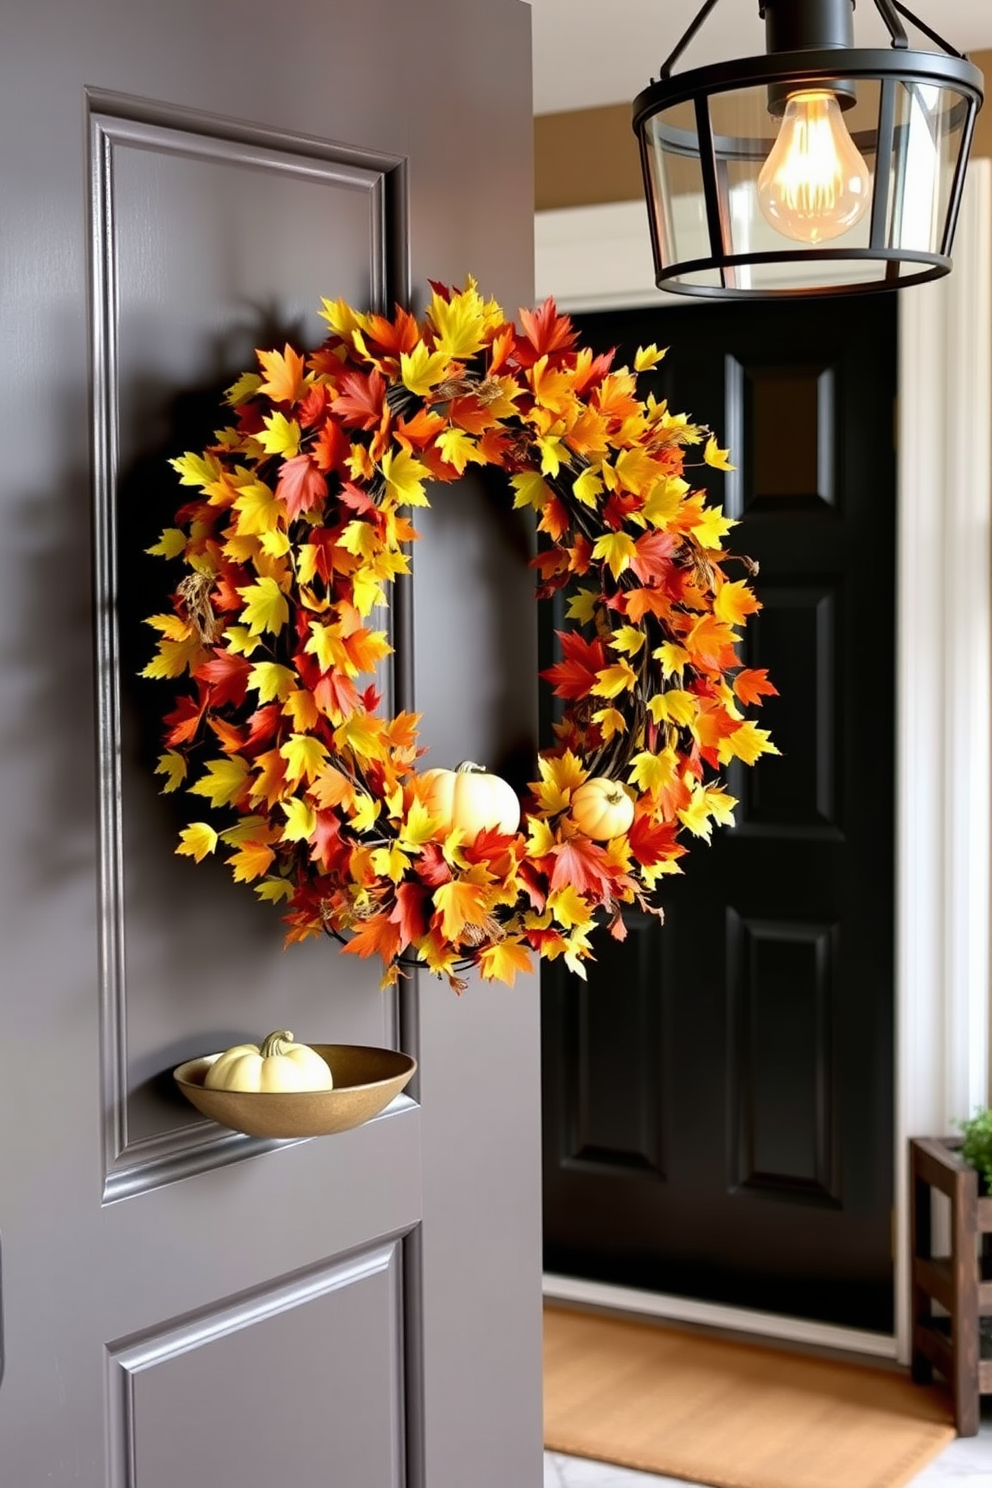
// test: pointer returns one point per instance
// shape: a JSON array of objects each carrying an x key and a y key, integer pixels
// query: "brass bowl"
[{"x": 365, "y": 1081}]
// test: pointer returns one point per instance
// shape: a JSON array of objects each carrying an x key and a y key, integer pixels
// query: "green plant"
[{"x": 977, "y": 1148}]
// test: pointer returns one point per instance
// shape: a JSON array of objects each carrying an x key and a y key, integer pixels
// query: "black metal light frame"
[{"x": 809, "y": 43}]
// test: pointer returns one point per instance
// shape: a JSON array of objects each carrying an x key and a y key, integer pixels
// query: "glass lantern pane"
[
  {"x": 672, "y": 153},
  {"x": 929, "y": 129}
]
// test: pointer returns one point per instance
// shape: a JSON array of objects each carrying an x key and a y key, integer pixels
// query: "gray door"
[{"x": 183, "y": 1305}]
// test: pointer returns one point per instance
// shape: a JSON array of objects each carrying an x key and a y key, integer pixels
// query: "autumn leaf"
[
  {"x": 272, "y": 681},
  {"x": 409, "y": 913},
  {"x": 171, "y": 544},
  {"x": 613, "y": 680},
  {"x": 197, "y": 841},
  {"x": 569, "y": 908},
  {"x": 747, "y": 743},
  {"x": 279, "y": 435},
  {"x": 575, "y": 677},
  {"x": 404, "y": 476},
  {"x": 647, "y": 357},
  {"x": 501, "y": 962},
  {"x": 173, "y": 767},
  {"x": 223, "y": 782},
  {"x": 305, "y": 757},
  {"x": 751, "y": 684},
  {"x": 265, "y": 607},
  {"x": 284, "y": 381},
  {"x": 734, "y": 602},
  {"x": 616, "y": 549},
  {"x": 301, "y": 820},
  {"x": 301, "y": 486},
  {"x": 251, "y": 861},
  {"x": 376, "y": 936},
  {"x": 460, "y": 903},
  {"x": 717, "y": 457},
  {"x": 582, "y": 863},
  {"x": 652, "y": 561}
]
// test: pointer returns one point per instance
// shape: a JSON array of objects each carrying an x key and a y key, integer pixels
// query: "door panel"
[
  {"x": 181, "y": 1302},
  {"x": 767, "y": 1058}
]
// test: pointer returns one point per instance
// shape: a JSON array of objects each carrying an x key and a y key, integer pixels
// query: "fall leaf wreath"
[{"x": 299, "y": 525}]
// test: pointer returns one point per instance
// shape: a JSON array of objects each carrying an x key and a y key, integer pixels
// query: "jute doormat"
[{"x": 730, "y": 1414}]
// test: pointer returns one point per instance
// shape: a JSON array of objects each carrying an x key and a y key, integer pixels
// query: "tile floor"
[{"x": 966, "y": 1463}]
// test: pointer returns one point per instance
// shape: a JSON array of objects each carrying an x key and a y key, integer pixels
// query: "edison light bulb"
[{"x": 814, "y": 184}]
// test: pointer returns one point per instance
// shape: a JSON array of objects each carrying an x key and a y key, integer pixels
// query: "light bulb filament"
[{"x": 814, "y": 184}]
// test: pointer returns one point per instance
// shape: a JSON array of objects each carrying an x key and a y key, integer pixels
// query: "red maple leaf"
[
  {"x": 359, "y": 403},
  {"x": 327, "y": 847},
  {"x": 184, "y": 721},
  {"x": 654, "y": 552},
  {"x": 262, "y": 725},
  {"x": 227, "y": 677},
  {"x": 653, "y": 842},
  {"x": 431, "y": 866},
  {"x": 335, "y": 696},
  {"x": 301, "y": 485},
  {"x": 331, "y": 448},
  {"x": 547, "y": 332},
  {"x": 409, "y": 913},
  {"x": 313, "y": 406},
  {"x": 584, "y": 865},
  {"x": 575, "y": 677}
]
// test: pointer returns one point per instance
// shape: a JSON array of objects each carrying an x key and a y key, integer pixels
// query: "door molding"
[{"x": 595, "y": 258}]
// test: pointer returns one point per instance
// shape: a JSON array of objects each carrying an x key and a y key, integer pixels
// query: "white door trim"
[{"x": 594, "y": 258}]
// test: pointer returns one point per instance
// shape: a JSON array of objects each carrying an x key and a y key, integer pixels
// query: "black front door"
[{"x": 718, "y": 1098}]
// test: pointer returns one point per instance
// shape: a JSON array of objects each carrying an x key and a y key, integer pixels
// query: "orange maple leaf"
[
  {"x": 376, "y": 936},
  {"x": 283, "y": 375},
  {"x": 751, "y": 683}
]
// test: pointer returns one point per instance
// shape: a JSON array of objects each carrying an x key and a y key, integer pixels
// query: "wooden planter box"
[{"x": 951, "y": 1345}]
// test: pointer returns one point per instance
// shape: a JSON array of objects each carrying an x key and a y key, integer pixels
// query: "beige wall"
[{"x": 590, "y": 155}]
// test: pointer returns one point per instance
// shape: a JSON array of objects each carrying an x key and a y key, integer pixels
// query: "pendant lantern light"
[{"x": 818, "y": 168}]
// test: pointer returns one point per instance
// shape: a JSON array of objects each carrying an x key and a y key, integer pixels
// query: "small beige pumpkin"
[
  {"x": 275, "y": 1064},
  {"x": 602, "y": 808},
  {"x": 471, "y": 799}
]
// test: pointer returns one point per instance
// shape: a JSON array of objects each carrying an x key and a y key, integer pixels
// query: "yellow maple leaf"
[
  {"x": 419, "y": 826},
  {"x": 611, "y": 722},
  {"x": 391, "y": 861},
  {"x": 653, "y": 772},
  {"x": 305, "y": 757},
  {"x": 171, "y": 626},
  {"x": 502, "y": 962},
  {"x": 274, "y": 889},
  {"x": 271, "y": 680},
  {"x": 248, "y": 829},
  {"x": 341, "y": 317},
  {"x": 674, "y": 706},
  {"x": 532, "y": 490},
  {"x": 224, "y": 780},
  {"x": 251, "y": 861},
  {"x": 717, "y": 457},
  {"x": 265, "y": 607},
  {"x": 172, "y": 544},
  {"x": 712, "y": 527},
  {"x": 275, "y": 542},
  {"x": 569, "y": 908},
  {"x": 553, "y": 454},
  {"x": 582, "y": 605},
  {"x": 664, "y": 500},
  {"x": 708, "y": 804},
  {"x": 637, "y": 470},
  {"x": 734, "y": 602},
  {"x": 628, "y": 639},
  {"x": 747, "y": 743},
  {"x": 461, "y": 903},
  {"x": 197, "y": 470},
  {"x": 462, "y": 322},
  {"x": 280, "y": 436},
  {"x": 404, "y": 476},
  {"x": 196, "y": 841},
  {"x": 366, "y": 592},
  {"x": 175, "y": 657},
  {"x": 540, "y": 838},
  {"x": 173, "y": 766},
  {"x": 360, "y": 539},
  {"x": 363, "y": 811},
  {"x": 421, "y": 370},
  {"x": 362, "y": 735},
  {"x": 458, "y": 449},
  {"x": 243, "y": 390},
  {"x": 301, "y": 820},
  {"x": 587, "y": 486},
  {"x": 613, "y": 680},
  {"x": 647, "y": 357},
  {"x": 672, "y": 657},
  {"x": 301, "y": 709},
  {"x": 616, "y": 549}
]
